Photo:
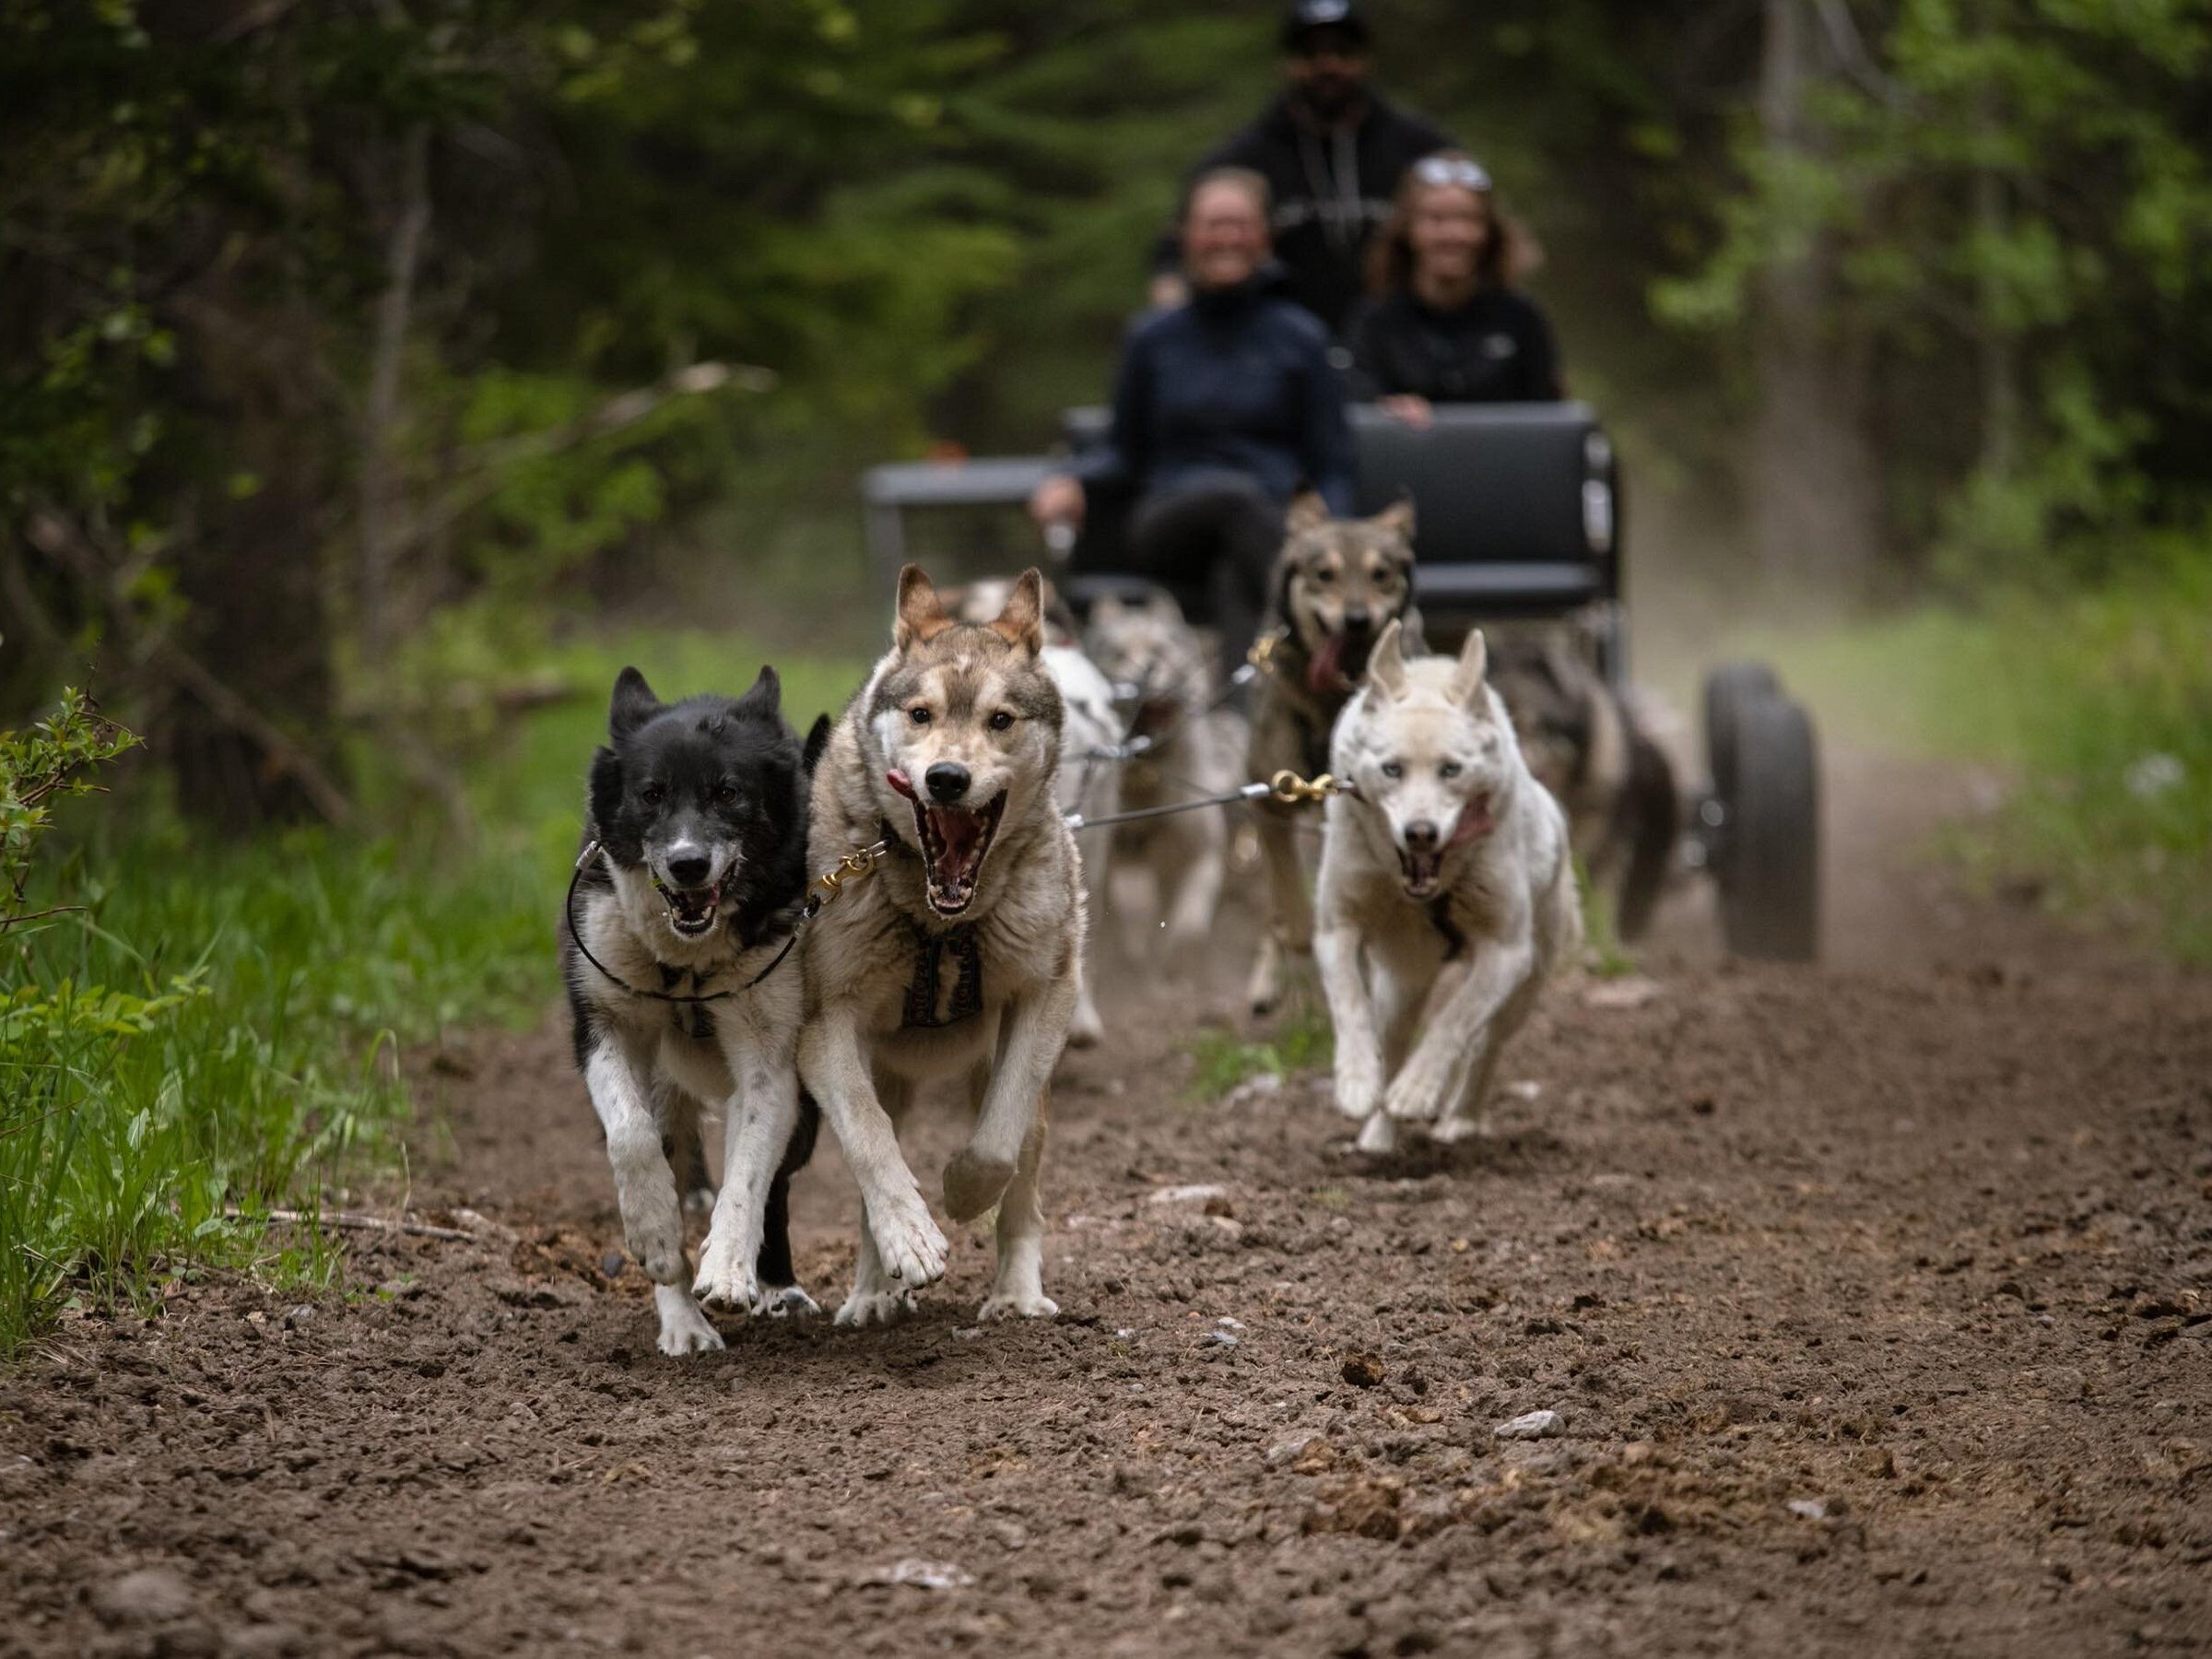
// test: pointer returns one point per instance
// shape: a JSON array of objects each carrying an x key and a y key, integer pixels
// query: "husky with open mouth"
[
  {"x": 1338, "y": 584},
  {"x": 1449, "y": 851},
  {"x": 958, "y": 956},
  {"x": 671, "y": 945}
]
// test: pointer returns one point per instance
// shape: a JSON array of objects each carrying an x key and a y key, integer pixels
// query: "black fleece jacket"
[
  {"x": 1239, "y": 380},
  {"x": 1331, "y": 192}
]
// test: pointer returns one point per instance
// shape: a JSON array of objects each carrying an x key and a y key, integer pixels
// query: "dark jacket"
[
  {"x": 1330, "y": 195},
  {"x": 1495, "y": 348},
  {"x": 1238, "y": 381}
]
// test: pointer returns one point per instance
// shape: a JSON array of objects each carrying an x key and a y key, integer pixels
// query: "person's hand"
[
  {"x": 1057, "y": 500},
  {"x": 1414, "y": 412},
  {"x": 1168, "y": 290}
]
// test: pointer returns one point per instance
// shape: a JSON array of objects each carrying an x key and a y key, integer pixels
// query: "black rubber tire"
[
  {"x": 1770, "y": 866},
  {"x": 1727, "y": 689}
]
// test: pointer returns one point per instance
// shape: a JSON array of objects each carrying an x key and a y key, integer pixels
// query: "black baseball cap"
[{"x": 1307, "y": 16}]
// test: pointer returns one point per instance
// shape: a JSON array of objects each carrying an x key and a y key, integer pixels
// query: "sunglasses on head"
[{"x": 1451, "y": 170}]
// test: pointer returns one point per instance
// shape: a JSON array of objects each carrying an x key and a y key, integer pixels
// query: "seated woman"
[
  {"x": 1444, "y": 326},
  {"x": 1224, "y": 406}
]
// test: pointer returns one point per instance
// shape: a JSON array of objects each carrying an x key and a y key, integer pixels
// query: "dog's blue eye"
[
  {"x": 1450, "y": 768},
  {"x": 919, "y": 715},
  {"x": 1001, "y": 720},
  {"x": 1391, "y": 768}
]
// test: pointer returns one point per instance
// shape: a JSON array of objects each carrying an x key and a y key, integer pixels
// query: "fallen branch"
[{"x": 358, "y": 1222}]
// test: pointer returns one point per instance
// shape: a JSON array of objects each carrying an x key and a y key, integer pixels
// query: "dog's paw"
[
  {"x": 1377, "y": 1135},
  {"x": 1086, "y": 1029},
  {"x": 875, "y": 1307},
  {"x": 655, "y": 1242},
  {"x": 785, "y": 1301},
  {"x": 1018, "y": 1304},
  {"x": 684, "y": 1329},
  {"x": 907, "y": 1242},
  {"x": 1458, "y": 1127},
  {"x": 973, "y": 1185},
  {"x": 1414, "y": 1097},
  {"x": 1264, "y": 992},
  {"x": 725, "y": 1278},
  {"x": 1359, "y": 1084}
]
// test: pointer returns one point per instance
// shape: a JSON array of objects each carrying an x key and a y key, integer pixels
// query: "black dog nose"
[
  {"x": 689, "y": 872},
  {"x": 947, "y": 781},
  {"x": 1355, "y": 619},
  {"x": 1420, "y": 835}
]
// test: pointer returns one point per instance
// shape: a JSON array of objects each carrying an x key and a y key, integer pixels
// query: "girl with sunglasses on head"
[{"x": 1443, "y": 324}]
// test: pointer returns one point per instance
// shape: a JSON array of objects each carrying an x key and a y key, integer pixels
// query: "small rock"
[
  {"x": 1633, "y": 992},
  {"x": 1527, "y": 1089},
  {"x": 1534, "y": 1424},
  {"x": 1295, "y": 1448},
  {"x": 922, "y": 1576},
  {"x": 612, "y": 1264},
  {"x": 150, "y": 1595},
  {"x": 1227, "y": 1323},
  {"x": 1808, "y": 1508},
  {"x": 522, "y": 1414},
  {"x": 296, "y": 1317},
  {"x": 1363, "y": 1370},
  {"x": 1188, "y": 1195},
  {"x": 1217, "y": 1339},
  {"x": 967, "y": 1333},
  {"x": 1123, "y": 1333}
]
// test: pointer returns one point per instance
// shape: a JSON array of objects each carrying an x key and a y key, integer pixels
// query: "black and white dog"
[{"x": 672, "y": 948}]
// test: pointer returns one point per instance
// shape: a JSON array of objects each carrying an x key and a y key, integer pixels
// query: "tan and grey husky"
[
  {"x": 1338, "y": 584},
  {"x": 958, "y": 957},
  {"x": 1449, "y": 851},
  {"x": 1190, "y": 747}
]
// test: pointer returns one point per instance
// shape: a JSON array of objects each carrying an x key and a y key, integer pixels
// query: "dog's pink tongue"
[
  {"x": 1325, "y": 672},
  {"x": 902, "y": 783},
  {"x": 1476, "y": 819}
]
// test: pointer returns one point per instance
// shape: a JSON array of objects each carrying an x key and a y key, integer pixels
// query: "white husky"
[{"x": 1449, "y": 849}]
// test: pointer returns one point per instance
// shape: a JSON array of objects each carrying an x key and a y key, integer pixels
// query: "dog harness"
[{"x": 931, "y": 1004}]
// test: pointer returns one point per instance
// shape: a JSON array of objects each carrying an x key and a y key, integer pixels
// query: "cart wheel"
[
  {"x": 1770, "y": 866},
  {"x": 1727, "y": 689}
]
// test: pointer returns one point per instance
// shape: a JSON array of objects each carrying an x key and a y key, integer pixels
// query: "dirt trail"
[{"x": 1878, "y": 1300}]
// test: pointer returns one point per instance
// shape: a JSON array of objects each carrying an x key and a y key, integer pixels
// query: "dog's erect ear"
[
  {"x": 1397, "y": 518},
  {"x": 1474, "y": 662},
  {"x": 921, "y": 612},
  {"x": 817, "y": 739},
  {"x": 634, "y": 704},
  {"x": 1308, "y": 511},
  {"x": 1386, "y": 662},
  {"x": 1022, "y": 622},
  {"x": 765, "y": 696}
]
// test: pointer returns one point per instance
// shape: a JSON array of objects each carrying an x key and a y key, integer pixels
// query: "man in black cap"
[{"x": 1332, "y": 150}]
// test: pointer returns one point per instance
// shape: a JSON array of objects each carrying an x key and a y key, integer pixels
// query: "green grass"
[
  {"x": 2096, "y": 707},
  {"x": 214, "y": 1032},
  {"x": 1222, "y": 1060}
]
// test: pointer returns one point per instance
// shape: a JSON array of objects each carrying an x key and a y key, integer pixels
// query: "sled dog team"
[{"x": 778, "y": 930}]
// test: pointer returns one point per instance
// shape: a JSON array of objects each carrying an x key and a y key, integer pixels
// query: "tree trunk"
[{"x": 1815, "y": 484}]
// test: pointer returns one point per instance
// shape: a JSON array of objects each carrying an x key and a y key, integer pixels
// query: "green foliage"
[
  {"x": 2098, "y": 709},
  {"x": 38, "y": 767},
  {"x": 2022, "y": 195}
]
